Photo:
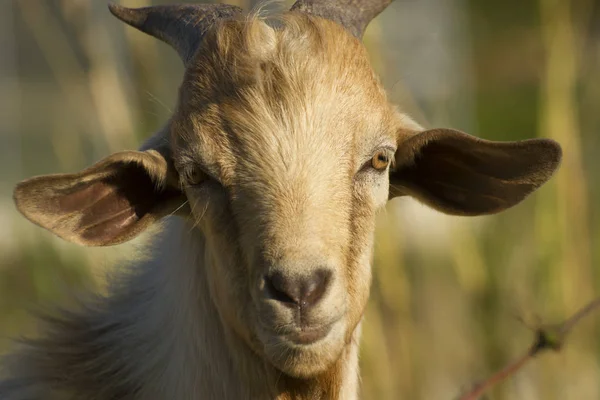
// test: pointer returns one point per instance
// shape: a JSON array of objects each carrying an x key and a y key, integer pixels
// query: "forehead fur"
[{"x": 261, "y": 98}]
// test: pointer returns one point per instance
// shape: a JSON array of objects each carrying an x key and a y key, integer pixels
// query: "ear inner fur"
[
  {"x": 460, "y": 174},
  {"x": 107, "y": 204}
]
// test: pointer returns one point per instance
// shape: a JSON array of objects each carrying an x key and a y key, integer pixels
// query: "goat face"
[
  {"x": 292, "y": 137},
  {"x": 280, "y": 152}
]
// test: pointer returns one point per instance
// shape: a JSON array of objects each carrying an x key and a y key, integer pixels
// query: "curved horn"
[
  {"x": 181, "y": 26},
  {"x": 354, "y": 15}
]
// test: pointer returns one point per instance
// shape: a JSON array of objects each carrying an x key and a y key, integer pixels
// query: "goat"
[{"x": 267, "y": 177}]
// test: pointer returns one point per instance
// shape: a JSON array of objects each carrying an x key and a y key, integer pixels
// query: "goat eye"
[
  {"x": 194, "y": 176},
  {"x": 380, "y": 160}
]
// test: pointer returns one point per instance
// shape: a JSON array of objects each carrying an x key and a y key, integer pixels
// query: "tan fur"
[{"x": 271, "y": 144}]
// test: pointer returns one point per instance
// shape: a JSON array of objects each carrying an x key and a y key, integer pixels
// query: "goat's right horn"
[
  {"x": 354, "y": 15},
  {"x": 181, "y": 26}
]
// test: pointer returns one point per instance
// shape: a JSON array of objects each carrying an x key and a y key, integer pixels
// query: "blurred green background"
[{"x": 453, "y": 298}]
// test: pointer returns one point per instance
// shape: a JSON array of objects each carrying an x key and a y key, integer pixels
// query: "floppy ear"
[
  {"x": 463, "y": 175},
  {"x": 109, "y": 203}
]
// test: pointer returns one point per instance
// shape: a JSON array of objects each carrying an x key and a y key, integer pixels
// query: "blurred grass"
[{"x": 448, "y": 293}]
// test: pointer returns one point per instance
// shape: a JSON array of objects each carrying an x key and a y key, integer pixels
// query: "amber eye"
[
  {"x": 194, "y": 176},
  {"x": 380, "y": 160}
]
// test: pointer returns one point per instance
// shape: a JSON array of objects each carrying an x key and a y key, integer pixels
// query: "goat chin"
[{"x": 305, "y": 360}]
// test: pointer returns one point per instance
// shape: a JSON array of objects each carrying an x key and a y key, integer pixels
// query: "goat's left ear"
[
  {"x": 459, "y": 174},
  {"x": 108, "y": 203}
]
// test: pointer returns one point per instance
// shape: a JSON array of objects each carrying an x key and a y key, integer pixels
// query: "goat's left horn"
[
  {"x": 354, "y": 15},
  {"x": 181, "y": 26}
]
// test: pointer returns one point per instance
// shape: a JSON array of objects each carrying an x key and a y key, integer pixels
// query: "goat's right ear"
[{"x": 109, "y": 203}]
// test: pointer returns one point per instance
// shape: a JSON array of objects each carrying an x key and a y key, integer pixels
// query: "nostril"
[
  {"x": 315, "y": 287},
  {"x": 281, "y": 288}
]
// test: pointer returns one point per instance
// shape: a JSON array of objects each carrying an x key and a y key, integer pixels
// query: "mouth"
[
  {"x": 304, "y": 351},
  {"x": 307, "y": 336}
]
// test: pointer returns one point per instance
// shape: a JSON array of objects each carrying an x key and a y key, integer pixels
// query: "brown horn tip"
[{"x": 129, "y": 16}]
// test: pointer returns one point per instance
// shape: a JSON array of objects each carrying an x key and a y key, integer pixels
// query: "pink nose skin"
[{"x": 301, "y": 292}]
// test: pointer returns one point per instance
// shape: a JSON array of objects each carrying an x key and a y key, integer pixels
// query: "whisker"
[
  {"x": 157, "y": 101},
  {"x": 197, "y": 221},
  {"x": 179, "y": 208}
]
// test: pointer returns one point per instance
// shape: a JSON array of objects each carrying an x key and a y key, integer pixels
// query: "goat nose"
[{"x": 298, "y": 291}]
